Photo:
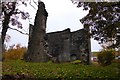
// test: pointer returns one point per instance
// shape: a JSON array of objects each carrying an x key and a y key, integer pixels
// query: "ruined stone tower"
[{"x": 36, "y": 50}]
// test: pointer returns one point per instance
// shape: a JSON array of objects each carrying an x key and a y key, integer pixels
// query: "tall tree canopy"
[
  {"x": 103, "y": 20},
  {"x": 10, "y": 14}
]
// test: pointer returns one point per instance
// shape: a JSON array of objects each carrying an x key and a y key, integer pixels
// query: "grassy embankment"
[{"x": 65, "y": 71}]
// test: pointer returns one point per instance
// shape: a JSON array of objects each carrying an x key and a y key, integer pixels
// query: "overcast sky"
[{"x": 62, "y": 14}]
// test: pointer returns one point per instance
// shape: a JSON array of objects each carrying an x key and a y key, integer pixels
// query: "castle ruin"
[
  {"x": 69, "y": 46},
  {"x": 63, "y": 46}
]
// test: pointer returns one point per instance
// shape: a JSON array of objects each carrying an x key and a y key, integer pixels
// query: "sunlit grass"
[
  {"x": 63, "y": 70},
  {"x": 0, "y": 68}
]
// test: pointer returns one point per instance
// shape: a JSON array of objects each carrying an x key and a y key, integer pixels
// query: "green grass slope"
[{"x": 62, "y": 71}]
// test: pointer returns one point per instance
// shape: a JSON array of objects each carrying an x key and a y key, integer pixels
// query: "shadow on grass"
[{"x": 23, "y": 77}]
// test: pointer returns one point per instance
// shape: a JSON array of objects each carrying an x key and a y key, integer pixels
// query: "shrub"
[
  {"x": 15, "y": 53},
  {"x": 105, "y": 57}
]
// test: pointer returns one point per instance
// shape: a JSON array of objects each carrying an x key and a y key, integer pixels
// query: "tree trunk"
[
  {"x": 36, "y": 46},
  {"x": 5, "y": 24},
  {"x": 88, "y": 45},
  {"x": 4, "y": 29}
]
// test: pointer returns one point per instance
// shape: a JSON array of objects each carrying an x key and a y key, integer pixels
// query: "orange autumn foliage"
[{"x": 14, "y": 53}]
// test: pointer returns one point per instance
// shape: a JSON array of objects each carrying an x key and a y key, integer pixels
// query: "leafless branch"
[
  {"x": 18, "y": 31},
  {"x": 32, "y": 5},
  {"x": 34, "y": 2}
]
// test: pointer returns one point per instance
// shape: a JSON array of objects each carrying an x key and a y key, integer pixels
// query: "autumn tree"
[
  {"x": 9, "y": 14},
  {"x": 103, "y": 20}
]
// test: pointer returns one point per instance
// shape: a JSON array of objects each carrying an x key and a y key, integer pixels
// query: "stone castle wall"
[{"x": 68, "y": 46}]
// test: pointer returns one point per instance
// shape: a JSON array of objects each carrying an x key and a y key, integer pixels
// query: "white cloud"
[
  {"x": 59, "y": 7},
  {"x": 63, "y": 14}
]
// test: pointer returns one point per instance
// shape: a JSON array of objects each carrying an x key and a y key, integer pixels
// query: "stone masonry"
[
  {"x": 61, "y": 46},
  {"x": 66, "y": 46},
  {"x": 69, "y": 46}
]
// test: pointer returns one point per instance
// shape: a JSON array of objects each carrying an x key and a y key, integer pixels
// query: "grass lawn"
[{"x": 63, "y": 71}]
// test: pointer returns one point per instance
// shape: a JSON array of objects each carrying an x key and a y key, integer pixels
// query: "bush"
[
  {"x": 15, "y": 53},
  {"x": 105, "y": 57}
]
